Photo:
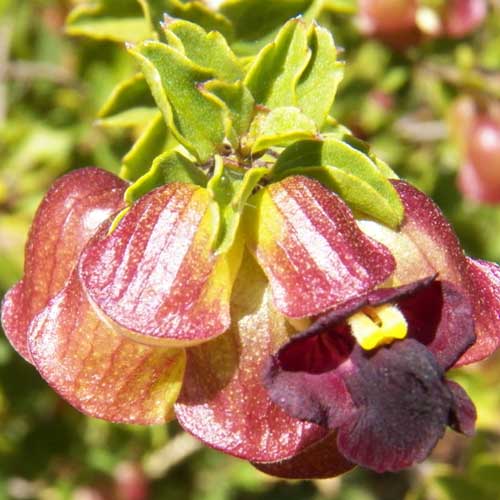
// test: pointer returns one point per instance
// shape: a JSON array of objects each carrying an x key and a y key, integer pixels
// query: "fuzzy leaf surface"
[
  {"x": 208, "y": 50},
  {"x": 273, "y": 76},
  {"x": 240, "y": 103},
  {"x": 318, "y": 84},
  {"x": 231, "y": 189},
  {"x": 172, "y": 166},
  {"x": 281, "y": 127},
  {"x": 346, "y": 171},
  {"x": 196, "y": 118},
  {"x": 256, "y": 22}
]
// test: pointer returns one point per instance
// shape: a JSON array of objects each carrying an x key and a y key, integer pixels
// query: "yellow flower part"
[{"x": 376, "y": 326}]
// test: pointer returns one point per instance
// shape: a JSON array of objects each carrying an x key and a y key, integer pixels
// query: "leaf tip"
[{"x": 167, "y": 21}]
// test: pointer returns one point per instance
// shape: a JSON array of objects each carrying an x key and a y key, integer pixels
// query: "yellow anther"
[{"x": 376, "y": 326}]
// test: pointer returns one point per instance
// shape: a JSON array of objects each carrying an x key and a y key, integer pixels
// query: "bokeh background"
[{"x": 424, "y": 90}]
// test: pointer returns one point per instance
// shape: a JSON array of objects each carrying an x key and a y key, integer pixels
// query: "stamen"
[{"x": 376, "y": 326}]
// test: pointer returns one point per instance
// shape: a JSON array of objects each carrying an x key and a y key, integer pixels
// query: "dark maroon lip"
[{"x": 389, "y": 405}]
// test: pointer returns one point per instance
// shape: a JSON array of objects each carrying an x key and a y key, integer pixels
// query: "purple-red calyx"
[{"x": 258, "y": 350}]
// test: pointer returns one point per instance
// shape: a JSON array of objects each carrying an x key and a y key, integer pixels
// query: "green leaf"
[
  {"x": 110, "y": 20},
  {"x": 231, "y": 189},
  {"x": 130, "y": 93},
  {"x": 138, "y": 20},
  {"x": 318, "y": 84},
  {"x": 153, "y": 141},
  {"x": 130, "y": 118},
  {"x": 196, "y": 117},
  {"x": 195, "y": 11},
  {"x": 273, "y": 77},
  {"x": 208, "y": 50},
  {"x": 333, "y": 130},
  {"x": 348, "y": 172},
  {"x": 365, "y": 148},
  {"x": 256, "y": 22},
  {"x": 239, "y": 102},
  {"x": 171, "y": 166},
  {"x": 281, "y": 127}
]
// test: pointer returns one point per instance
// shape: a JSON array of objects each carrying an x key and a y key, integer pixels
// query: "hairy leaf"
[
  {"x": 208, "y": 50},
  {"x": 238, "y": 100},
  {"x": 171, "y": 166},
  {"x": 273, "y": 76},
  {"x": 281, "y": 127},
  {"x": 196, "y": 118},
  {"x": 346, "y": 171},
  {"x": 318, "y": 84},
  {"x": 154, "y": 140}
]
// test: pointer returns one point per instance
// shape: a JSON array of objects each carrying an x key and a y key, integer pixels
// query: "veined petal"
[
  {"x": 306, "y": 240},
  {"x": 155, "y": 277},
  {"x": 99, "y": 372},
  {"x": 426, "y": 245},
  {"x": 223, "y": 401},
  {"x": 320, "y": 460},
  {"x": 68, "y": 216}
]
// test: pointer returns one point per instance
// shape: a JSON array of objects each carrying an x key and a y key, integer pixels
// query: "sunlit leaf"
[
  {"x": 346, "y": 171},
  {"x": 239, "y": 102},
  {"x": 122, "y": 21},
  {"x": 317, "y": 85},
  {"x": 153, "y": 141},
  {"x": 208, "y": 50},
  {"x": 196, "y": 118},
  {"x": 172, "y": 166},
  {"x": 273, "y": 77},
  {"x": 256, "y": 22},
  {"x": 281, "y": 127},
  {"x": 194, "y": 11}
]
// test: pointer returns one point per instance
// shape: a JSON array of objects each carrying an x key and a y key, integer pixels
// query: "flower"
[
  {"x": 137, "y": 320},
  {"x": 402, "y": 23},
  {"x": 373, "y": 369},
  {"x": 166, "y": 296},
  {"x": 478, "y": 133},
  {"x": 382, "y": 389}
]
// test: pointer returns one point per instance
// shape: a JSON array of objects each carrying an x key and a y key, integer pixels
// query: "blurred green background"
[{"x": 401, "y": 101}]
